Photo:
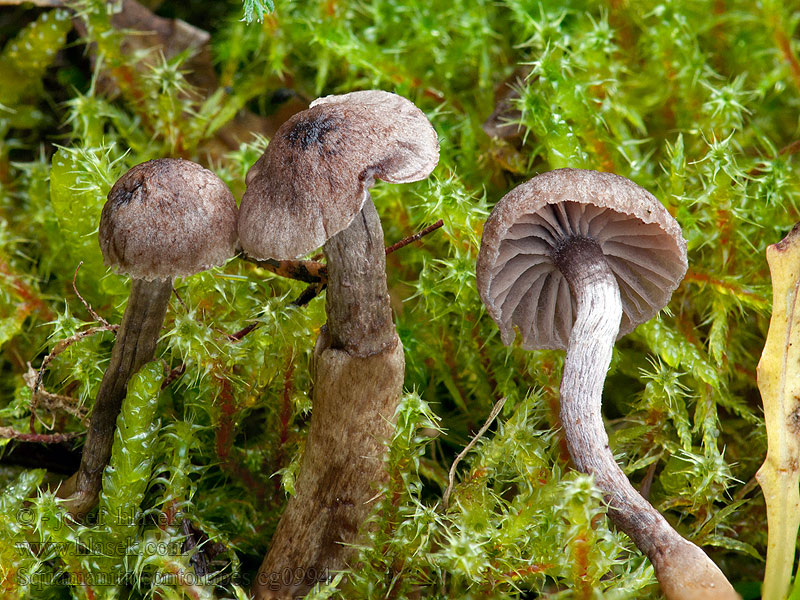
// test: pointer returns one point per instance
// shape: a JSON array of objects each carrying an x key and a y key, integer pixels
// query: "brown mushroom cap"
[
  {"x": 521, "y": 285},
  {"x": 167, "y": 218},
  {"x": 316, "y": 173}
]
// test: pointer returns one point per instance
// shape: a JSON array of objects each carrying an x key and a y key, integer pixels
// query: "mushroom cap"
[
  {"x": 167, "y": 218},
  {"x": 315, "y": 175},
  {"x": 521, "y": 285}
]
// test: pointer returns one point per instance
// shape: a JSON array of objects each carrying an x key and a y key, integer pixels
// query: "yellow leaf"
[{"x": 779, "y": 384}]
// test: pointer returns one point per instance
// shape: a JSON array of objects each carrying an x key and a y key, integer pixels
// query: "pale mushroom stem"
[
  {"x": 684, "y": 571},
  {"x": 358, "y": 383},
  {"x": 135, "y": 345}
]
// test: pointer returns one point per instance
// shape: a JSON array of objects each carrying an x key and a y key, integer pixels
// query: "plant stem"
[
  {"x": 683, "y": 569},
  {"x": 135, "y": 345}
]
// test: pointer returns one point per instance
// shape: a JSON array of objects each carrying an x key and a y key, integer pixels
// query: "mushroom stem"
[
  {"x": 684, "y": 571},
  {"x": 358, "y": 383},
  {"x": 135, "y": 345},
  {"x": 359, "y": 313}
]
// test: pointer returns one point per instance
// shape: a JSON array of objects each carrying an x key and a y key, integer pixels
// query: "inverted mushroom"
[
  {"x": 311, "y": 189},
  {"x": 164, "y": 218},
  {"x": 574, "y": 260}
]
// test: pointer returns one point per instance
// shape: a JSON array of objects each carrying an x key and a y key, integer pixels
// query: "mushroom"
[
  {"x": 575, "y": 259},
  {"x": 163, "y": 219},
  {"x": 311, "y": 189}
]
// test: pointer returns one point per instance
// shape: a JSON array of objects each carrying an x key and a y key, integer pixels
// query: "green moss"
[{"x": 695, "y": 100}]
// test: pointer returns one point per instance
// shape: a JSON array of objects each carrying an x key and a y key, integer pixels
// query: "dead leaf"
[
  {"x": 159, "y": 36},
  {"x": 779, "y": 384},
  {"x": 502, "y": 123}
]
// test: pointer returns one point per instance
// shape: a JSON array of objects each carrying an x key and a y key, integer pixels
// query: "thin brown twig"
[
  {"x": 173, "y": 375},
  {"x": 232, "y": 337},
  {"x": 315, "y": 272},
  {"x": 451, "y": 478},
  {"x": 312, "y": 272},
  {"x": 58, "y": 349},
  {"x": 53, "y": 402},
  {"x": 785, "y": 45},
  {"x": 788, "y": 149},
  {"x": 178, "y": 296},
  {"x": 40, "y": 3},
  {"x": 746, "y": 489},
  {"x": 415, "y": 237},
  {"x": 88, "y": 306},
  {"x": 41, "y": 438},
  {"x": 66, "y": 343},
  {"x": 309, "y": 271},
  {"x": 235, "y": 337},
  {"x": 308, "y": 294},
  {"x": 792, "y": 148}
]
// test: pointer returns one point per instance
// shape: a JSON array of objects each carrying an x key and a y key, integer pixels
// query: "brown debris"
[
  {"x": 52, "y": 402},
  {"x": 160, "y": 37},
  {"x": 155, "y": 38},
  {"x": 501, "y": 123}
]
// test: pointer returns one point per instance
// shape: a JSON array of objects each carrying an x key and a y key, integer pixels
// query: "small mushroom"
[
  {"x": 311, "y": 189},
  {"x": 313, "y": 182},
  {"x": 574, "y": 260},
  {"x": 163, "y": 219}
]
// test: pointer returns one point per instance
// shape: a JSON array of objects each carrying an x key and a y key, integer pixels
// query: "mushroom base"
[
  {"x": 355, "y": 399},
  {"x": 684, "y": 571}
]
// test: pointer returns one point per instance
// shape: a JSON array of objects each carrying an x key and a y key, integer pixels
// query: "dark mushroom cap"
[
  {"x": 316, "y": 173},
  {"x": 167, "y": 218},
  {"x": 521, "y": 285}
]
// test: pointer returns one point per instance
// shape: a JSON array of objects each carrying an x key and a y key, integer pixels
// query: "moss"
[{"x": 695, "y": 100}]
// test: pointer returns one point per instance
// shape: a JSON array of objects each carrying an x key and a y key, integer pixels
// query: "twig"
[
  {"x": 176, "y": 372},
  {"x": 63, "y": 345},
  {"x": 52, "y": 402},
  {"x": 173, "y": 375},
  {"x": 235, "y": 337},
  {"x": 314, "y": 272},
  {"x": 308, "y": 294},
  {"x": 58, "y": 349},
  {"x": 309, "y": 271},
  {"x": 789, "y": 149},
  {"x": 178, "y": 296},
  {"x": 415, "y": 237},
  {"x": 746, "y": 489},
  {"x": 498, "y": 406},
  {"x": 42, "y": 3},
  {"x": 89, "y": 308},
  {"x": 40, "y": 438}
]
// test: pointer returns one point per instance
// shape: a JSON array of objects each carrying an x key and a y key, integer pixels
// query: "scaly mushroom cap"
[
  {"x": 521, "y": 285},
  {"x": 167, "y": 218},
  {"x": 316, "y": 173}
]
